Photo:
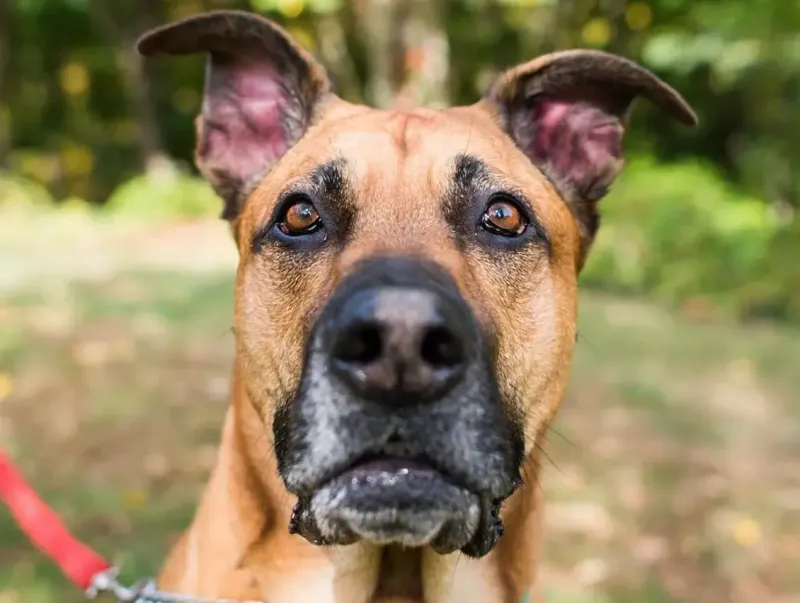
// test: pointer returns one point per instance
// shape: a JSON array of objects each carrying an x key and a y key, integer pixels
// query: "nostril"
[
  {"x": 441, "y": 349},
  {"x": 361, "y": 344}
]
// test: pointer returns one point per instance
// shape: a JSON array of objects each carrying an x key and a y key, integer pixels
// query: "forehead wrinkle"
[
  {"x": 401, "y": 133},
  {"x": 408, "y": 128}
]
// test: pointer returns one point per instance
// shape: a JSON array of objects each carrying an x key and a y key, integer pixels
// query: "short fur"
[{"x": 405, "y": 185}]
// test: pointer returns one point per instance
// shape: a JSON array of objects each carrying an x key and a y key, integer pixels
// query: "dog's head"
[{"x": 406, "y": 295}]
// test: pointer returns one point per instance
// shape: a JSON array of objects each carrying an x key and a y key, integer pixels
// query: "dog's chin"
[{"x": 395, "y": 501}]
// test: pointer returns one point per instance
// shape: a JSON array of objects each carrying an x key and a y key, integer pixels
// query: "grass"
[{"x": 674, "y": 474}]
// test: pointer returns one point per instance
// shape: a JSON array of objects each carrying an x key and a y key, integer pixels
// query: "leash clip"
[
  {"x": 146, "y": 591},
  {"x": 106, "y": 582}
]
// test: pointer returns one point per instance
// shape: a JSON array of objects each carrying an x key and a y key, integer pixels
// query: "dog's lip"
[
  {"x": 388, "y": 463},
  {"x": 382, "y": 464},
  {"x": 394, "y": 499}
]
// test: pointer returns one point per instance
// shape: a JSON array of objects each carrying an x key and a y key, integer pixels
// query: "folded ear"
[
  {"x": 262, "y": 92},
  {"x": 568, "y": 110}
]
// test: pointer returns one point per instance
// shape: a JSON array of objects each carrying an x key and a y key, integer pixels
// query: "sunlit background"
[{"x": 674, "y": 473}]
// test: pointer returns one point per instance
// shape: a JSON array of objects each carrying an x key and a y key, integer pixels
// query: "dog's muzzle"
[{"x": 398, "y": 433}]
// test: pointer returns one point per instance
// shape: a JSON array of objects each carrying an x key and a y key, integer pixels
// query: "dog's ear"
[
  {"x": 262, "y": 92},
  {"x": 567, "y": 111}
]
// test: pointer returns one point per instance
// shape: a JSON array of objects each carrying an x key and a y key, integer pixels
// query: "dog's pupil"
[
  {"x": 505, "y": 216},
  {"x": 301, "y": 216}
]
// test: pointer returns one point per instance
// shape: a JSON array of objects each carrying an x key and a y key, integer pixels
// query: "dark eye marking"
[
  {"x": 482, "y": 209},
  {"x": 314, "y": 210}
]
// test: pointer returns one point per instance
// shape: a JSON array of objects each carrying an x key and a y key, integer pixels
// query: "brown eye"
[
  {"x": 504, "y": 217},
  {"x": 300, "y": 218}
]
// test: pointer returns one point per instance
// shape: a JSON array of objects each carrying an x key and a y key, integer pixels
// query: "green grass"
[{"x": 674, "y": 460}]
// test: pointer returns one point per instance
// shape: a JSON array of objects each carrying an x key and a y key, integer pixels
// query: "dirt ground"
[{"x": 674, "y": 471}]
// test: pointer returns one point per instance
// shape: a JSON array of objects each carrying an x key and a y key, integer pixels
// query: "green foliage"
[
  {"x": 295, "y": 7},
  {"x": 79, "y": 113},
  {"x": 164, "y": 194},
  {"x": 775, "y": 292},
  {"x": 18, "y": 191},
  {"x": 680, "y": 232}
]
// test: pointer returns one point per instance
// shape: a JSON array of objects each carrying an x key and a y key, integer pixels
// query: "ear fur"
[
  {"x": 262, "y": 92},
  {"x": 567, "y": 111}
]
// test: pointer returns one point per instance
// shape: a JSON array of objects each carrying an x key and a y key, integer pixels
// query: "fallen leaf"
[
  {"x": 746, "y": 532},
  {"x": 135, "y": 499},
  {"x": 6, "y": 385}
]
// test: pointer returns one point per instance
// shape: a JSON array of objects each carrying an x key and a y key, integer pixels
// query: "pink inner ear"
[
  {"x": 578, "y": 142},
  {"x": 243, "y": 113}
]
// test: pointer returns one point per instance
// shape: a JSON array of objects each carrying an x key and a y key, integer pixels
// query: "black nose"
[{"x": 400, "y": 344}]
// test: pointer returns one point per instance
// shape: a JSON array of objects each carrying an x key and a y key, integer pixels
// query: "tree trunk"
[
  {"x": 5, "y": 59},
  {"x": 382, "y": 22},
  {"x": 132, "y": 67},
  {"x": 334, "y": 52}
]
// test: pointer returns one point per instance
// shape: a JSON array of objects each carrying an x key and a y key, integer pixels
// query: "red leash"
[
  {"x": 81, "y": 565},
  {"x": 42, "y": 526}
]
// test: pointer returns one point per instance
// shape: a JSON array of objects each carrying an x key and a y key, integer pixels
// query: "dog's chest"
[{"x": 400, "y": 576}]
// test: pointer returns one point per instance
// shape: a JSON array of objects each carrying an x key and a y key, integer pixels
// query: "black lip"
[{"x": 388, "y": 462}]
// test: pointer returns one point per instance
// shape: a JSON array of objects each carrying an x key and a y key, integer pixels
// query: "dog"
[{"x": 405, "y": 317}]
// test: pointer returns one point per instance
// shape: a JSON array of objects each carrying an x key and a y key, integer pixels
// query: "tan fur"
[
  {"x": 238, "y": 545},
  {"x": 399, "y": 164}
]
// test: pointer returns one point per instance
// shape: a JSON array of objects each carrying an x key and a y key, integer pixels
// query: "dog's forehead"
[
  {"x": 406, "y": 160},
  {"x": 395, "y": 143},
  {"x": 418, "y": 147}
]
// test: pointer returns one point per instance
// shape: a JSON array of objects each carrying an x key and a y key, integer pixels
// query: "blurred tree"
[
  {"x": 121, "y": 23},
  {"x": 5, "y": 57},
  {"x": 80, "y": 111}
]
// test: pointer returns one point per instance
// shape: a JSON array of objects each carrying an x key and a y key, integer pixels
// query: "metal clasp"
[
  {"x": 145, "y": 591},
  {"x": 106, "y": 582}
]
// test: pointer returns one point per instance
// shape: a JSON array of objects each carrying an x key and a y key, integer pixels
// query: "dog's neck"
[{"x": 239, "y": 545}]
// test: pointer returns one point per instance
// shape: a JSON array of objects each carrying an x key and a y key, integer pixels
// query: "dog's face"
[{"x": 406, "y": 300}]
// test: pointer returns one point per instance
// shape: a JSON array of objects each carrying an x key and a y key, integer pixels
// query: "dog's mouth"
[
  {"x": 396, "y": 500},
  {"x": 375, "y": 468},
  {"x": 393, "y": 462}
]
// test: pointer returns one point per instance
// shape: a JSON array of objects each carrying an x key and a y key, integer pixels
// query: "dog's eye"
[
  {"x": 300, "y": 218},
  {"x": 504, "y": 217}
]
